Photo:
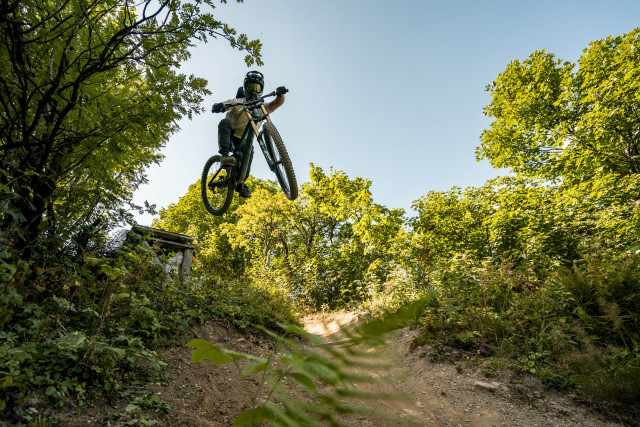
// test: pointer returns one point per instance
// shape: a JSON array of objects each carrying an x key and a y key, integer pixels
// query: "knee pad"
[{"x": 225, "y": 124}]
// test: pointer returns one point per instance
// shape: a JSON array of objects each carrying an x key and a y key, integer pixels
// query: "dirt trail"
[
  {"x": 438, "y": 394},
  {"x": 454, "y": 393}
]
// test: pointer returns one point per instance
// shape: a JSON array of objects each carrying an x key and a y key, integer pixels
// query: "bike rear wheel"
[
  {"x": 280, "y": 159},
  {"x": 216, "y": 186}
]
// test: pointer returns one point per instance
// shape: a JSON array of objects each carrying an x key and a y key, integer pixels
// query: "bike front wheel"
[
  {"x": 280, "y": 160},
  {"x": 216, "y": 186}
]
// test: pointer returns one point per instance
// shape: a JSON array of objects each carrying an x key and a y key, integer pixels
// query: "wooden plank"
[{"x": 162, "y": 234}]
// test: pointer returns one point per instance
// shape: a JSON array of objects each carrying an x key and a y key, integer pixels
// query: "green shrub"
[
  {"x": 91, "y": 324},
  {"x": 570, "y": 326}
]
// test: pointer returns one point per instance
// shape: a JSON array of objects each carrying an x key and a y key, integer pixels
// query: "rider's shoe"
[
  {"x": 243, "y": 190},
  {"x": 227, "y": 161}
]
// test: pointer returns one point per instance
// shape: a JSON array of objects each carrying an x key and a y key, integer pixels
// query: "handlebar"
[{"x": 253, "y": 103}]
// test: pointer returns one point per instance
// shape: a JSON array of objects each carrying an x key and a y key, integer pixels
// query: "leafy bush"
[
  {"x": 91, "y": 324},
  {"x": 397, "y": 291},
  {"x": 575, "y": 325}
]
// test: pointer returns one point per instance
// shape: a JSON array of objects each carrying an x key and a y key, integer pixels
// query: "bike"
[{"x": 219, "y": 180}]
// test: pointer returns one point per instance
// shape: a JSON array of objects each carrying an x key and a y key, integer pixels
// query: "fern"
[{"x": 326, "y": 372}]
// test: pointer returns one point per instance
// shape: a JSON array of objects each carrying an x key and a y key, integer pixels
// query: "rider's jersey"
[{"x": 238, "y": 117}]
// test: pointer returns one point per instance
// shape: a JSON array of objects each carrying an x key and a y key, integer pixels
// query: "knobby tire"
[
  {"x": 216, "y": 202},
  {"x": 283, "y": 169}
]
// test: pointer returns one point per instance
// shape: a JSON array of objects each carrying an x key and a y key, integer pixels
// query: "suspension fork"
[
  {"x": 253, "y": 123},
  {"x": 264, "y": 111}
]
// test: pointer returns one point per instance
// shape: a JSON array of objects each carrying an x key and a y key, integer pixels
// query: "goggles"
[{"x": 253, "y": 86}]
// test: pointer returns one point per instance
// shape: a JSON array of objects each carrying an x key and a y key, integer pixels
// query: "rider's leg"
[{"x": 225, "y": 130}]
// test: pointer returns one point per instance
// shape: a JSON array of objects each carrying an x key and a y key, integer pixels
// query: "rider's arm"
[
  {"x": 273, "y": 105},
  {"x": 221, "y": 107}
]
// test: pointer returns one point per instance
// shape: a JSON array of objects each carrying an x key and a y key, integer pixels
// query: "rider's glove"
[
  {"x": 281, "y": 91},
  {"x": 218, "y": 108}
]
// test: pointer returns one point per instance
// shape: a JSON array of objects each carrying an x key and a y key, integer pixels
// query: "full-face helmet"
[{"x": 253, "y": 84}]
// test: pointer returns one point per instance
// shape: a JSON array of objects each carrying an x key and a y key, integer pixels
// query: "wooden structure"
[{"x": 167, "y": 242}]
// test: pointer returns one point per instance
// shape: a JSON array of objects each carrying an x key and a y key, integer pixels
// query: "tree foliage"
[
  {"x": 541, "y": 266},
  {"x": 576, "y": 127},
  {"x": 328, "y": 248},
  {"x": 505, "y": 219},
  {"x": 216, "y": 255},
  {"x": 572, "y": 122},
  {"x": 89, "y": 91},
  {"x": 325, "y": 247}
]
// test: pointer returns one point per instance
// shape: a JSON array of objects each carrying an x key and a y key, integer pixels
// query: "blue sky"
[{"x": 392, "y": 91}]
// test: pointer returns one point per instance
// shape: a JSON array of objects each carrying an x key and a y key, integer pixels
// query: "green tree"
[
  {"x": 576, "y": 126},
  {"x": 554, "y": 121},
  {"x": 325, "y": 247},
  {"x": 518, "y": 220},
  {"x": 89, "y": 91},
  {"x": 454, "y": 221},
  {"x": 216, "y": 254}
]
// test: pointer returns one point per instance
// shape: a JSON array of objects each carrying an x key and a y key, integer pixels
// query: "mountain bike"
[{"x": 219, "y": 180}]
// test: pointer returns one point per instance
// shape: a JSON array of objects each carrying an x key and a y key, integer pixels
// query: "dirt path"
[
  {"x": 438, "y": 394},
  {"x": 452, "y": 393}
]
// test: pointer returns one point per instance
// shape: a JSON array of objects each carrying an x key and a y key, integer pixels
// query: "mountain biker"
[{"x": 232, "y": 126}]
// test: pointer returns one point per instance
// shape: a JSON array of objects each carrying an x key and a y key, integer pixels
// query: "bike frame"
[{"x": 256, "y": 113}]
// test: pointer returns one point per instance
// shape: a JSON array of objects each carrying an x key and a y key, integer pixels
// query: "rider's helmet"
[{"x": 253, "y": 84}]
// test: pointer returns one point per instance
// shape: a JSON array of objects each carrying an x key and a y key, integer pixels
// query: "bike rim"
[
  {"x": 281, "y": 173},
  {"x": 217, "y": 188}
]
